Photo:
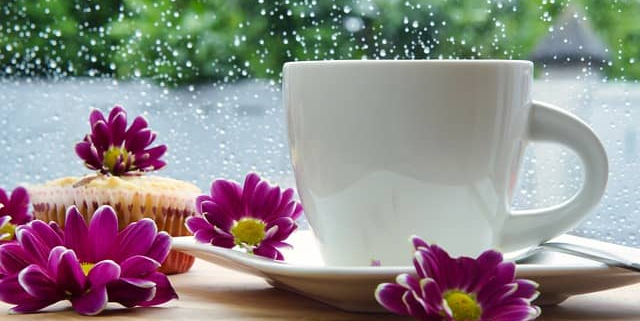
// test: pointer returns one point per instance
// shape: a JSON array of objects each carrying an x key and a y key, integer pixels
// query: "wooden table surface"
[{"x": 209, "y": 292}]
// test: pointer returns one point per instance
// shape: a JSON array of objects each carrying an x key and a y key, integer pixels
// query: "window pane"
[{"x": 207, "y": 76}]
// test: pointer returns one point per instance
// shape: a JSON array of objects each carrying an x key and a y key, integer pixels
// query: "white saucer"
[{"x": 351, "y": 288}]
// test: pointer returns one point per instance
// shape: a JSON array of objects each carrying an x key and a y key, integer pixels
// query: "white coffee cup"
[{"x": 385, "y": 149}]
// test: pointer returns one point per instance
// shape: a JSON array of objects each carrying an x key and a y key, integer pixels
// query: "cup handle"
[{"x": 531, "y": 227}]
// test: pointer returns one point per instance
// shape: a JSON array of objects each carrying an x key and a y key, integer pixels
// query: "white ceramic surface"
[
  {"x": 352, "y": 288},
  {"x": 386, "y": 149}
]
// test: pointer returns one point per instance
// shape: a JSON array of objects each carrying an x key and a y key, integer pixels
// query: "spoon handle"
[{"x": 590, "y": 253}]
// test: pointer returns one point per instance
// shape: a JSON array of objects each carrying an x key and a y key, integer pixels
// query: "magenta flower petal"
[
  {"x": 155, "y": 152},
  {"x": 277, "y": 244},
  {"x": 216, "y": 215},
  {"x": 459, "y": 288},
  {"x": 229, "y": 196},
  {"x": 115, "y": 111},
  {"x": 223, "y": 241},
  {"x": 95, "y": 116},
  {"x": 117, "y": 127},
  {"x": 138, "y": 266},
  {"x": 153, "y": 137},
  {"x": 12, "y": 292},
  {"x": 287, "y": 197},
  {"x": 195, "y": 224},
  {"x": 137, "y": 125},
  {"x": 30, "y": 306},
  {"x": 291, "y": 207},
  {"x": 4, "y": 220},
  {"x": 34, "y": 280},
  {"x": 514, "y": 312},
  {"x": 249, "y": 186},
  {"x": 204, "y": 232},
  {"x": 131, "y": 292},
  {"x": 103, "y": 230},
  {"x": 214, "y": 235},
  {"x": 499, "y": 293},
  {"x": 285, "y": 226},
  {"x": 164, "y": 290},
  {"x": 153, "y": 165},
  {"x": 506, "y": 272},
  {"x": 12, "y": 259},
  {"x": 57, "y": 229},
  {"x": 255, "y": 216},
  {"x": 83, "y": 149},
  {"x": 209, "y": 236},
  {"x": 139, "y": 282},
  {"x": 19, "y": 199},
  {"x": 54, "y": 258},
  {"x": 45, "y": 233},
  {"x": 149, "y": 157},
  {"x": 288, "y": 204},
  {"x": 92, "y": 302},
  {"x": 488, "y": 260},
  {"x": 425, "y": 266},
  {"x": 76, "y": 234},
  {"x": 101, "y": 136},
  {"x": 256, "y": 202},
  {"x": 201, "y": 199},
  {"x": 139, "y": 140},
  {"x": 432, "y": 293},
  {"x": 34, "y": 249},
  {"x": 415, "y": 308},
  {"x": 408, "y": 282},
  {"x": 160, "y": 248},
  {"x": 113, "y": 149},
  {"x": 526, "y": 289},
  {"x": 390, "y": 295},
  {"x": 268, "y": 251},
  {"x": 103, "y": 272},
  {"x": 135, "y": 239},
  {"x": 297, "y": 211},
  {"x": 265, "y": 197},
  {"x": 69, "y": 272},
  {"x": 15, "y": 206},
  {"x": 86, "y": 151}
]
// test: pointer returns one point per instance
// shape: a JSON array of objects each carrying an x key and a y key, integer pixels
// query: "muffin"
[{"x": 120, "y": 158}]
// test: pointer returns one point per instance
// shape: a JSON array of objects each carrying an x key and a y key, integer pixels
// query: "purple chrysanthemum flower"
[
  {"x": 113, "y": 149},
  {"x": 459, "y": 289},
  {"x": 87, "y": 265},
  {"x": 14, "y": 211},
  {"x": 257, "y": 216}
]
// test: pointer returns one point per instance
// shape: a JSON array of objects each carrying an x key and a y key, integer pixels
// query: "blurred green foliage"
[{"x": 186, "y": 41}]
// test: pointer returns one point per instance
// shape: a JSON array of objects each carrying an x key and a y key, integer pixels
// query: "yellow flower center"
[
  {"x": 9, "y": 229},
  {"x": 86, "y": 267},
  {"x": 110, "y": 157},
  {"x": 464, "y": 306},
  {"x": 248, "y": 231}
]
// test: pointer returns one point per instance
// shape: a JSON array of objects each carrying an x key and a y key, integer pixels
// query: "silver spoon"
[{"x": 590, "y": 253}]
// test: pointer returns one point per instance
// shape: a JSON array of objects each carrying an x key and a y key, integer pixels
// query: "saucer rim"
[
  {"x": 263, "y": 265},
  {"x": 350, "y": 288}
]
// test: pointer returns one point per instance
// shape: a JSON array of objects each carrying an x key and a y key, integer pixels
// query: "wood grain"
[{"x": 212, "y": 293}]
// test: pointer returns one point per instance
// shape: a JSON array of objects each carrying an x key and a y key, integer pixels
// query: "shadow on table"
[
  {"x": 592, "y": 310},
  {"x": 267, "y": 301}
]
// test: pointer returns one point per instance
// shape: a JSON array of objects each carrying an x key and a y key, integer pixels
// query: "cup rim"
[{"x": 424, "y": 62}]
